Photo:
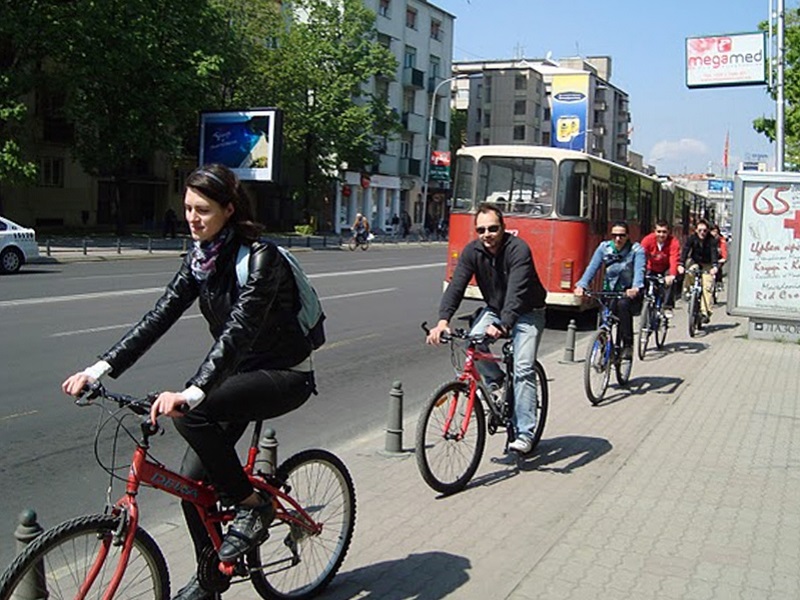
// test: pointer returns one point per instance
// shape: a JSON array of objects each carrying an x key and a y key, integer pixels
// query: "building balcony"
[
  {"x": 413, "y": 78},
  {"x": 600, "y": 105},
  {"x": 413, "y": 122},
  {"x": 388, "y": 164},
  {"x": 410, "y": 166},
  {"x": 599, "y": 130},
  {"x": 433, "y": 82},
  {"x": 440, "y": 128}
]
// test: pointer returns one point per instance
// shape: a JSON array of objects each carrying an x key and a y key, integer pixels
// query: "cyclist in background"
[
  {"x": 515, "y": 306},
  {"x": 663, "y": 251},
  {"x": 360, "y": 228},
  {"x": 722, "y": 250},
  {"x": 701, "y": 250},
  {"x": 258, "y": 367},
  {"x": 624, "y": 263}
]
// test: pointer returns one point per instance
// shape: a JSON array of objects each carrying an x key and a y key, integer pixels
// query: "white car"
[{"x": 17, "y": 246}]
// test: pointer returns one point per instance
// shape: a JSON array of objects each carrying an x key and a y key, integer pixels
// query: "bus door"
[{"x": 599, "y": 209}]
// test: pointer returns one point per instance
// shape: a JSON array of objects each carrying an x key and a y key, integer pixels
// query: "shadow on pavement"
[
  {"x": 424, "y": 576},
  {"x": 639, "y": 386},
  {"x": 712, "y": 327}
]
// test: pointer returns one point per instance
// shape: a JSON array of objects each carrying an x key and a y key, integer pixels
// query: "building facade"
[{"x": 568, "y": 103}]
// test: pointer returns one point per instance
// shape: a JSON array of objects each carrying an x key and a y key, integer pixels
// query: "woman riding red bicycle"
[{"x": 259, "y": 366}]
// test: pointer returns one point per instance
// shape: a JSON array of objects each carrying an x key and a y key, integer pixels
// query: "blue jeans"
[{"x": 525, "y": 336}]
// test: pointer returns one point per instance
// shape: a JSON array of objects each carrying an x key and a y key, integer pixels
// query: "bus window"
[
  {"x": 516, "y": 185},
  {"x": 616, "y": 208},
  {"x": 572, "y": 182},
  {"x": 632, "y": 200},
  {"x": 462, "y": 197}
]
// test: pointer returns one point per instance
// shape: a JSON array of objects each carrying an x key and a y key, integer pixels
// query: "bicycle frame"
[{"x": 145, "y": 471}]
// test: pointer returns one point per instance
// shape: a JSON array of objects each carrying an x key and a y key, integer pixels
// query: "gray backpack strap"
[{"x": 242, "y": 264}]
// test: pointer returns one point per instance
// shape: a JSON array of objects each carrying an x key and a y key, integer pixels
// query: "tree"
[
  {"x": 314, "y": 64},
  {"x": 791, "y": 93}
]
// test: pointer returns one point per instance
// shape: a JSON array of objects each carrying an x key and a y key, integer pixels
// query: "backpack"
[{"x": 310, "y": 315}]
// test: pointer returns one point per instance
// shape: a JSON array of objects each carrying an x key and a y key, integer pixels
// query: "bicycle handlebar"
[{"x": 461, "y": 334}]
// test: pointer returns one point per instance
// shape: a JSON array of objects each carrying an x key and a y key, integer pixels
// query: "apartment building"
[
  {"x": 568, "y": 103},
  {"x": 420, "y": 35}
]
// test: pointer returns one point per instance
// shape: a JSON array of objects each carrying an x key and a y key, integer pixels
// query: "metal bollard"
[
  {"x": 394, "y": 430},
  {"x": 149, "y": 244},
  {"x": 183, "y": 245},
  {"x": 119, "y": 245},
  {"x": 267, "y": 458},
  {"x": 48, "y": 246},
  {"x": 85, "y": 249},
  {"x": 33, "y": 586},
  {"x": 569, "y": 349}
]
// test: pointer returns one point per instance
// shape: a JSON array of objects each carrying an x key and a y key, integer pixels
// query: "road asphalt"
[{"x": 683, "y": 484}]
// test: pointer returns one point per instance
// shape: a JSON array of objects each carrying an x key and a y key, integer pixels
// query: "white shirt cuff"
[
  {"x": 98, "y": 369},
  {"x": 194, "y": 395}
]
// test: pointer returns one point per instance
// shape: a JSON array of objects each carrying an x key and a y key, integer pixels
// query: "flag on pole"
[{"x": 725, "y": 150}]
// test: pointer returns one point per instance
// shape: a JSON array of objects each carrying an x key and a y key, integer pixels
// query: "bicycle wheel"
[
  {"x": 58, "y": 563},
  {"x": 645, "y": 327},
  {"x": 662, "y": 327},
  {"x": 597, "y": 369},
  {"x": 542, "y": 402},
  {"x": 694, "y": 310},
  {"x": 365, "y": 244},
  {"x": 446, "y": 460},
  {"x": 352, "y": 244},
  {"x": 291, "y": 563}
]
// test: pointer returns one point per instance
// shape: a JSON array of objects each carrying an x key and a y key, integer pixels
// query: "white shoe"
[
  {"x": 522, "y": 445},
  {"x": 668, "y": 313}
]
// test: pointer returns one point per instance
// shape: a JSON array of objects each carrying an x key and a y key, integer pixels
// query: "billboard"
[
  {"x": 440, "y": 165},
  {"x": 570, "y": 99},
  {"x": 765, "y": 249},
  {"x": 724, "y": 60},
  {"x": 247, "y": 141}
]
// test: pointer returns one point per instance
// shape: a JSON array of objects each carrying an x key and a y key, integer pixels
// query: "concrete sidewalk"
[{"x": 682, "y": 485}]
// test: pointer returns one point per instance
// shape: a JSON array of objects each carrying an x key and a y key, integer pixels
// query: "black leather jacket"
[{"x": 253, "y": 328}]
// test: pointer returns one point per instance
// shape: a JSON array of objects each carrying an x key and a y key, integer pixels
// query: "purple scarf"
[{"x": 204, "y": 255}]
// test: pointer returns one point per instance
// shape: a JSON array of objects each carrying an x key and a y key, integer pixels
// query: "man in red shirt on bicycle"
[{"x": 663, "y": 253}]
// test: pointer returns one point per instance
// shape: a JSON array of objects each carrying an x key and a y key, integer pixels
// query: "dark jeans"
[
  {"x": 213, "y": 427},
  {"x": 667, "y": 291},
  {"x": 625, "y": 308}
]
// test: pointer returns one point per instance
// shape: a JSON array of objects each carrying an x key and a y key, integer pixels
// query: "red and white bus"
[{"x": 562, "y": 203}]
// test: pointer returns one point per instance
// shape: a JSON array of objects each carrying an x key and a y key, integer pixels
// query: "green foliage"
[{"x": 304, "y": 229}]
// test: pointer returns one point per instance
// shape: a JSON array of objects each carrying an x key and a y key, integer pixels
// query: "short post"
[
  {"x": 183, "y": 245},
  {"x": 119, "y": 245},
  {"x": 149, "y": 245},
  {"x": 85, "y": 244},
  {"x": 569, "y": 349},
  {"x": 324, "y": 241},
  {"x": 267, "y": 459},
  {"x": 33, "y": 586},
  {"x": 394, "y": 430},
  {"x": 48, "y": 246}
]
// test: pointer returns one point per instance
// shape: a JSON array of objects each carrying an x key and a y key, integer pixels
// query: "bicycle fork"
[{"x": 459, "y": 434}]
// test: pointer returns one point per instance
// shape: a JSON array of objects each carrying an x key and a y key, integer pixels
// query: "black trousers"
[
  {"x": 214, "y": 426},
  {"x": 625, "y": 308}
]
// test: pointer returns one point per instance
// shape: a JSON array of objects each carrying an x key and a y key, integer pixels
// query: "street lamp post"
[{"x": 428, "y": 144}]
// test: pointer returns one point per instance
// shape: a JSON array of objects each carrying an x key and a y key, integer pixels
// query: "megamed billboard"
[
  {"x": 726, "y": 60},
  {"x": 247, "y": 141}
]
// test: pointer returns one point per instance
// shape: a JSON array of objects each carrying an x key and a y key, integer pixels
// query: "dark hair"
[
  {"x": 714, "y": 227},
  {"x": 218, "y": 183},
  {"x": 620, "y": 224},
  {"x": 662, "y": 223},
  {"x": 487, "y": 207},
  {"x": 701, "y": 222}
]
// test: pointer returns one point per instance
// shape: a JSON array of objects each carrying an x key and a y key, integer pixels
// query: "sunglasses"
[
  {"x": 490, "y": 229},
  {"x": 702, "y": 231},
  {"x": 619, "y": 235}
]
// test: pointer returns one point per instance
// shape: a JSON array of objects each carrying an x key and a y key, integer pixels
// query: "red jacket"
[{"x": 659, "y": 261}]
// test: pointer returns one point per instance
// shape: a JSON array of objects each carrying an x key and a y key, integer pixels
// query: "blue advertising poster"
[
  {"x": 569, "y": 112},
  {"x": 245, "y": 141},
  {"x": 720, "y": 185}
]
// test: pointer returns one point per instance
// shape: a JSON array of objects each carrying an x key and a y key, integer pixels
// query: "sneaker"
[
  {"x": 706, "y": 319},
  {"x": 668, "y": 313},
  {"x": 522, "y": 445},
  {"x": 627, "y": 353},
  {"x": 194, "y": 591},
  {"x": 248, "y": 529}
]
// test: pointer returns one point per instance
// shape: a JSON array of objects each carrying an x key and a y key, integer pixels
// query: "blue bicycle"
[
  {"x": 653, "y": 321},
  {"x": 605, "y": 351}
]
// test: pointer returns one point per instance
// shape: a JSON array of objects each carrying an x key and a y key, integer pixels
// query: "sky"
[{"x": 677, "y": 129}]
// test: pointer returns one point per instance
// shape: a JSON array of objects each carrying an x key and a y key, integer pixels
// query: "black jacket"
[
  {"x": 253, "y": 328},
  {"x": 702, "y": 252},
  {"x": 508, "y": 281}
]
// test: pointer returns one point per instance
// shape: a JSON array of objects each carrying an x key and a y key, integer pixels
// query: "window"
[
  {"x": 436, "y": 29},
  {"x": 410, "y": 57},
  {"x": 383, "y": 8},
  {"x": 487, "y": 119},
  {"x": 488, "y": 96},
  {"x": 572, "y": 188},
  {"x": 411, "y": 18},
  {"x": 519, "y": 107},
  {"x": 385, "y": 41},
  {"x": 51, "y": 172},
  {"x": 382, "y": 89},
  {"x": 519, "y": 133},
  {"x": 434, "y": 67},
  {"x": 517, "y": 185},
  {"x": 520, "y": 82},
  {"x": 546, "y": 113},
  {"x": 408, "y": 101},
  {"x": 545, "y": 138},
  {"x": 405, "y": 149}
]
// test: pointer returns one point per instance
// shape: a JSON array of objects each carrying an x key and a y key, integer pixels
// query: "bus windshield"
[
  {"x": 572, "y": 185},
  {"x": 516, "y": 185},
  {"x": 462, "y": 196}
]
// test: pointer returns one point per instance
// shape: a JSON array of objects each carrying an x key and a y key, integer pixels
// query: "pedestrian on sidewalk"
[
  {"x": 503, "y": 266},
  {"x": 624, "y": 263},
  {"x": 258, "y": 367}
]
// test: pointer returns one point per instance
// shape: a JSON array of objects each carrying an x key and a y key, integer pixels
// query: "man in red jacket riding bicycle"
[{"x": 663, "y": 253}]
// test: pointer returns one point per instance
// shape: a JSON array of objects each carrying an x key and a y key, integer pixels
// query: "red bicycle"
[
  {"x": 451, "y": 431},
  {"x": 110, "y": 556}
]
